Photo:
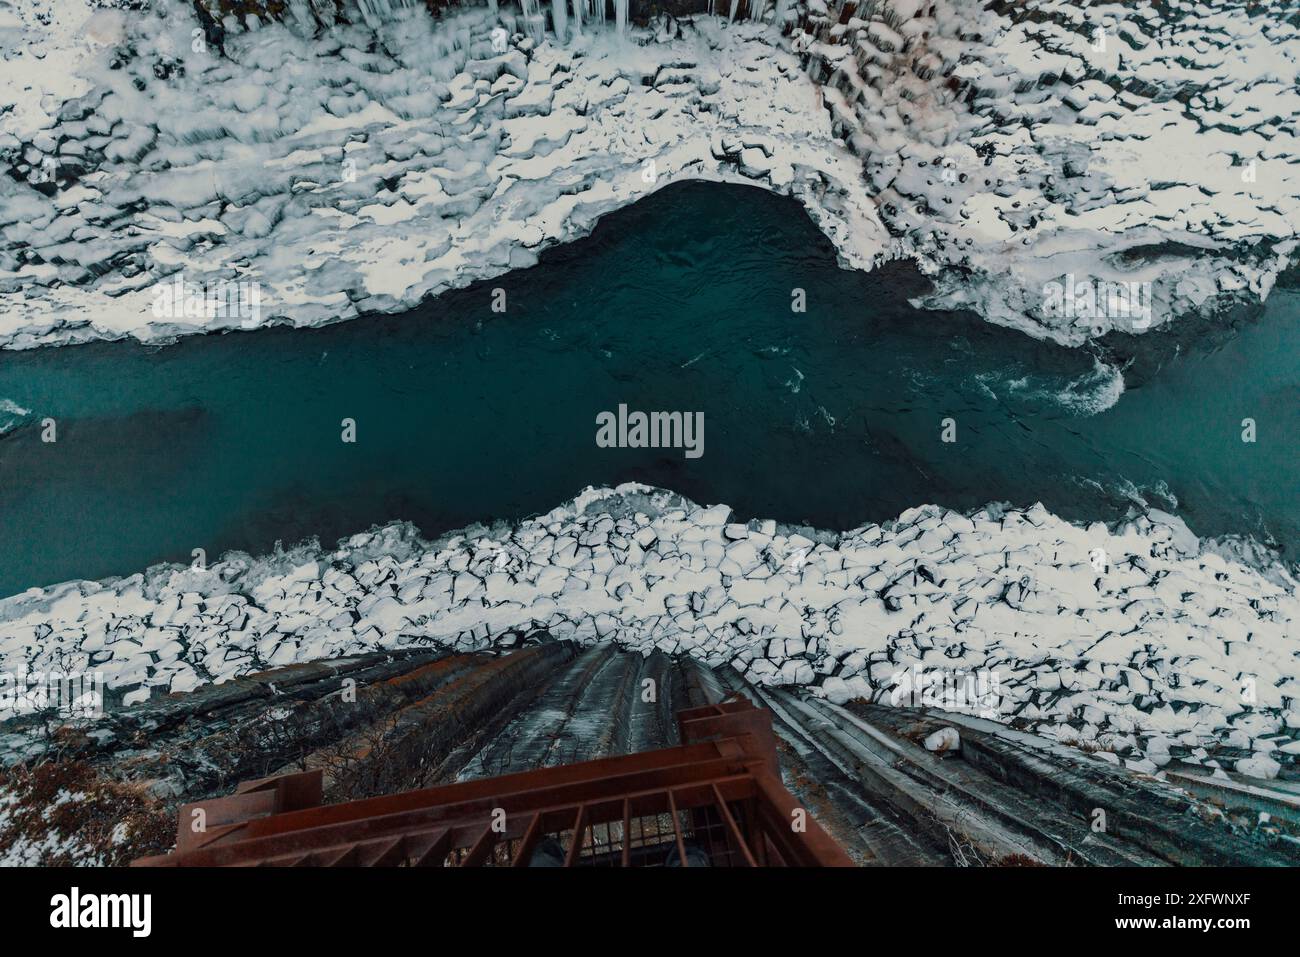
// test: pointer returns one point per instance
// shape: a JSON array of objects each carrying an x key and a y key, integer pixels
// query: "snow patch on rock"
[
  {"x": 1163, "y": 646},
  {"x": 365, "y": 167}
]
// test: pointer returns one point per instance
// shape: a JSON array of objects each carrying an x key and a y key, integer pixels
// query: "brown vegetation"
[{"x": 61, "y": 813}]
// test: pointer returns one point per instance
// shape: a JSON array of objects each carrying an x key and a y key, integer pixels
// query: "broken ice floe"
[{"x": 1130, "y": 640}]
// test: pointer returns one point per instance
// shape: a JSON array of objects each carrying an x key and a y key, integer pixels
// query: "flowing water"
[{"x": 831, "y": 417}]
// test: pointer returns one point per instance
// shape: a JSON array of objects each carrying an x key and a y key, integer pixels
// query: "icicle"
[
  {"x": 559, "y": 20},
  {"x": 376, "y": 12},
  {"x": 756, "y": 9},
  {"x": 327, "y": 12},
  {"x": 782, "y": 7},
  {"x": 303, "y": 14},
  {"x": 368, "y": 12},
  {"x": 577, "y": 17},
  {"x": 534, "y": 20},
  {"x": 620, "y": 16},
  {"x": 731, "y": 17},
  {"x": 598, "y": 7},
  {"x": 492, "y": 5}
]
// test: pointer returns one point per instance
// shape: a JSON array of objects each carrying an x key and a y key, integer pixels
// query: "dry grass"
[{"x": 62, "y": 813}]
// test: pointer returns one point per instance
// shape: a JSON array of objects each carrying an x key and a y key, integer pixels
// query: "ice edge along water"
[
  {"x": 250, "y": 174},
  {"x": 1132, "y": 639},
  {"x": 347, "y": 177}
]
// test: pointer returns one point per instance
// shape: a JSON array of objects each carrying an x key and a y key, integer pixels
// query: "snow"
[
  {"x": 943, "y": 741},
  {"x": 1172, "y": 642},
  {"x": 1259, "y": 766},
  {"x": 28, "y": 851},
  {"x": 399, "y": 171},
  {"x": 42, "y": 48},
  {"x": 392, "y": 180},
  {"x": 364, "y": 167}
]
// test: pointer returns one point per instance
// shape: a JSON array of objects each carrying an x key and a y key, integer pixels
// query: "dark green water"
[{"x": 831, "y": 417}]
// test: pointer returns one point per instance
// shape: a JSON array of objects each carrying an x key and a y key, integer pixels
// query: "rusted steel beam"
[
  {"x": 381, "y": 852},
  {"x": 385, "y": 852},
  {"x": 754, "y": 836},
  {"x": 732, "y": 720},
  {"x": 488, "y": 789},
  {"x": 531, "y": 836},
  {"x": 294, "y": 791},
  {"x": 555, "y": 818},
  {"x": 677, "y": 830},
  {"x": 206, "y": 822},
  {"x": 728, "y": 758},
  {"x": 344, "y": 857},
  {"x": 736, "y": 836},
  {"x": 283, "y": 841},
  {"x": 436, "y": 852},
  {"x": 812, "y": 847},
  {"x": 626, "y": 857},
  {"x": 482, "y": 847},
  {"x": 568, "y": 794},
  {"x": 575, "y": 849}
]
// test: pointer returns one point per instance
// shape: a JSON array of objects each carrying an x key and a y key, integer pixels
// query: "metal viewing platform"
[{"x": 715, "y": 800}]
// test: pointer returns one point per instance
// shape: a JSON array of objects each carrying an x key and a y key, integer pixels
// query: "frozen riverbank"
[
  {"x": 832, "y": 418},
  {"x": 346, "y": 180},
  {"x": 351, "y": 169},
  {"x": 1134, "y": 640}
]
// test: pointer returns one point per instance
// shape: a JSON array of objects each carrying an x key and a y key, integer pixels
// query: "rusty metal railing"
[{"x": 715, "y": 800}]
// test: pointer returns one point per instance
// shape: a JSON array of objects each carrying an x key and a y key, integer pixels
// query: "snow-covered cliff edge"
[
  {"x": 1133, "y": 640},
  {"x": 363, "y": 167}
]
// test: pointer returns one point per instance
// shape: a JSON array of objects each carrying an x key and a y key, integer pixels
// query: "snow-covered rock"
[
  {"x": 1259, "y": 766},
  {"x": 1010, "y": 619},
  {"x": 943, "y": 741},
  {"x": 369, "y": 165}
]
